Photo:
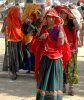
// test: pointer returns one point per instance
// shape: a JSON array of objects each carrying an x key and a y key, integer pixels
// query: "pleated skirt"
[
  {"x": 15, "y": 56},
  {"x": 50, "y": 82}
]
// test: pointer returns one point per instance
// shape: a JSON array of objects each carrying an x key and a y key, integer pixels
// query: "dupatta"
[{"x": 14, "y": 25}]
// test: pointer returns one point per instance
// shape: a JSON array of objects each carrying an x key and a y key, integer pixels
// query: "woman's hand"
[
  {"x": 61, "y": 38},
  {"x": 61, "y": 24},
  {"x": 43, "y": 36},
  {"x": 77, "y": 26}
]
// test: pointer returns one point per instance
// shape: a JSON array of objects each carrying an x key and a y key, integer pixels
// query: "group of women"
[{"x": 49, "y": 42}]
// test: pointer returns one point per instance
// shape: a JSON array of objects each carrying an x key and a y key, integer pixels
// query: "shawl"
[
  {"x": 28, "y": 11},
  {"x": 14, "y": 25}
]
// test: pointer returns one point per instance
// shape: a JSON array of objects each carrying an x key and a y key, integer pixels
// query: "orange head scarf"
[
  {"x": 14, "y": 25},
  {"x": 28, "y": 11}
]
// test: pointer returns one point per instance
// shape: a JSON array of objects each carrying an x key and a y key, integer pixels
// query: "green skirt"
[
  {"x": 71, "y": 73},
  {"x": 50, "y": 82}
]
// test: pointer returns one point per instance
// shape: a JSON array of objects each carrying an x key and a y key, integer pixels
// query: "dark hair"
[
  {"x": 70, "y": 25},
  {"x": 82, "y": 7},
  {"x": 17, "y": 4},
  {"x": 52, "y": 6},
  {"x": 78, "y": 3},
  {"x": 70, "y": 6},
  {"x": 42, "y": 7}
]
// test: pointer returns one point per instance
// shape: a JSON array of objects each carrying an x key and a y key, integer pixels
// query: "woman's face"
[
  {"x": 50, "y": 20},
  {"x": 63, "y": 15}
]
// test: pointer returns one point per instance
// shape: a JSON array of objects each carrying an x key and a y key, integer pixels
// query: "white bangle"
[
  {"x": 61, "y": 35},
  {"x": 75, "y": 22}
]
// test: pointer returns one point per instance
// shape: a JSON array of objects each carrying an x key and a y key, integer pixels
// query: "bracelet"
[
  {"x": 61, "y": 35},
  {"x": 75, "y": 22}
]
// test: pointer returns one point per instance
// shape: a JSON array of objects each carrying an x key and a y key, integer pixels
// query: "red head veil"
[
  {"x": 58, "y": 8},
  {"x": 50, "y": 12},
  {"x": 65, "y": 9}
]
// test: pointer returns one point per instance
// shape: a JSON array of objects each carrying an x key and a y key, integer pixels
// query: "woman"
[
  {"x": 28, "y": 17},
  {"x": 48, "y": 57},
  {"x": 14, "y": 38},
  {"x": 70, "y": 27}
]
